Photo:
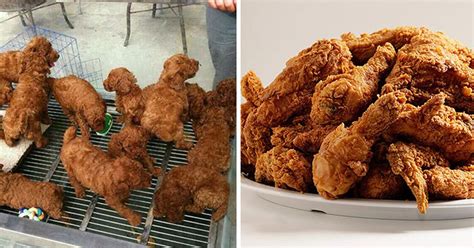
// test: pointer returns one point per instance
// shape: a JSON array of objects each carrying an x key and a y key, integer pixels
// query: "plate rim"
[{"x": 356, "y": 202}]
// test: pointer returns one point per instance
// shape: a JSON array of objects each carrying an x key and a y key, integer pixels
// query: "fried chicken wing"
[
  {"x": 252, "y": 88},
  {"x": 310, "y": 141},
  {"x": 17, "y": 191},
  {"x": 345, "y": 152},
  {"x": 191, "y": 188},
  {"x": 256, "y": 136},
  {"x": 343, "y": 97},
  {"x": 284, "y": 136},
  {"x": 275, "y": 111},
  {"x": 408, "y": 161},
  {"x": 447, "y": 184},
  {"x": 129, "y": 100},
  {"x": 245, "y": 110},
  {"x": 166, "y": 105},
  {"x": 381, "y": 183},
  {"x": 113, "y": 178},
  {"x": 131, "y": 142},
  {"x": 364, "y": 46},
  {"x": 285, "y": 168},
  {"x": 315, "y": 63},
  {"x": 430, "y": 64},
  {"x": 437, "y": 125},
  {"x": 80, "y": 102}
]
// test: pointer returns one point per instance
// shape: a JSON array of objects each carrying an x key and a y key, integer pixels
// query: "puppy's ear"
[{"x": 124, "y": 86}]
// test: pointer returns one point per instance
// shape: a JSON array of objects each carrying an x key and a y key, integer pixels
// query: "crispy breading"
[
  {"x": 343, "y": 97},
  {"x": 408, "y": 160},
  {"x": 285, "y": 168},
  {"x": 345, "y": 152},
  {"x": 430, "y": 64}
]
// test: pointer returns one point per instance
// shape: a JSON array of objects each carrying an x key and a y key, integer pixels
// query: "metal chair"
[
  {"x": 25, "y": 8},
  {"x": 179, "y": 5}
]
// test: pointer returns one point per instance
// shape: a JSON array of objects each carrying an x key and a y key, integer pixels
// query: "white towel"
[{"x": 10, "y": 156}]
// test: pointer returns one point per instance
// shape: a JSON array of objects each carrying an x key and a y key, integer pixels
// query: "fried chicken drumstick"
[
  {"x": 343, "y": 97},
  {"x": 345, "y": 153},
  {"x": 17, "y": 191}
]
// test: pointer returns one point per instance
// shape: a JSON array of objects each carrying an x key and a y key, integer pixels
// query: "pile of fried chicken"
[
  {"x": 159, "y": 110},
  {"x": 387, "y": 115}
]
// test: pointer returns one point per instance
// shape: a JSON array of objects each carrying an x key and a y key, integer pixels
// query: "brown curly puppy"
[
  {"x": 166, "y": 102},
  {"x": 196, "y": 100},
  {"x": 212, "y": 149},
  {"x": 129, "y": 100},
  {"x": 191, "y": 188},
  {"x": 6, "y": 92},
  {"x": 17, "y": 191},
  {"x": 80, "y": 102},
  {"x": 89, "y": 167},
  {"x": 225, "y": 96},
  {"x": 131, "y": 141},
  {"x": 11, "y": 61},
  {"x": 29, "y": 102}
]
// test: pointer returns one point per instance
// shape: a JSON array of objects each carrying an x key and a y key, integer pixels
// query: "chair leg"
[
  {"x": 22, "y": 19},
  {"x": 63, "y": 9},
  {"x": 32, "y": 21},
  {"x": 127, "y": 38},
  {"x": 79, "y": 7},
  {"x": 183, "y": 29},
  {"x": 153, "y": 12}
]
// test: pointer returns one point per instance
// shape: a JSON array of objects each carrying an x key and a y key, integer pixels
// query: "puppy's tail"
[{"x": 69, "y": 135}]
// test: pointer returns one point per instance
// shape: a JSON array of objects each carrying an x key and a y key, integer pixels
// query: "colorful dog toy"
[{"x": 33, "y": 214}]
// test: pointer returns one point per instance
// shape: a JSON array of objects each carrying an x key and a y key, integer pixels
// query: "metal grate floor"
[{"x": 91, "y": 214}]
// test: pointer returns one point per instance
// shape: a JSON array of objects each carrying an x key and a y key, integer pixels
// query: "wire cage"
[
  {"x": 66, "y": 46},
  {"x": 90, "y": 70}
]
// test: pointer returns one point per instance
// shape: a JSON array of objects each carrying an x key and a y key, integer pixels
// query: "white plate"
[{"x": 363, "y": 208}]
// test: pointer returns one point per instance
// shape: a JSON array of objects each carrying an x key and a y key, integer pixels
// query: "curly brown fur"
[
  {"x": 29, "y": 102},
  {"x": 131, "y": 142},
  {"x": 80, "y": 102},
  {"x": 196, "y": 99},
  {"x": 213, "y": 147},
  {"x": 192, "y": 189},
  {"x": 113, "y": 178},
  {"x": 129, "y": 100},
  {"x": 17, "y": 191},
  {"x": 166, "y": 104},
  {"x": 225, "y": 96},
  {"x": 6, "y": 92},
  {"x": 11, "y": 61}
]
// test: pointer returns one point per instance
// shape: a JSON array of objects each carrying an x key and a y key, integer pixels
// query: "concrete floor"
[{"x": 100, "y": 32}]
